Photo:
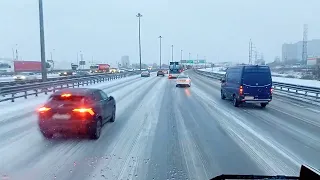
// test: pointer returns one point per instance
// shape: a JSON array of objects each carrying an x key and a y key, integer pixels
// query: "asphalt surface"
[{"x": 164, "y": 132}]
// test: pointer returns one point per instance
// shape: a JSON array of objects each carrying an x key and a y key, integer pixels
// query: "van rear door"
[{"x": 257, "y": 82}]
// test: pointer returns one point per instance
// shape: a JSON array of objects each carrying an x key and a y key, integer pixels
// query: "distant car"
[
  {"x": 66, "y": 73},
  {"x": 145, "y": 74},
  {"x": 160, "y": 73},
  {"x": 82, "y": 73},
  {"x": 183, "y": 80},
  {"x": 247, "y": 84},
  {"x": 25, "y": 76},
  {"x": 76, "y": 110}
]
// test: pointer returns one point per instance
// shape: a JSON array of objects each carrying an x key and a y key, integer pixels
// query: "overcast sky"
[{"x": 108, "y": 29}]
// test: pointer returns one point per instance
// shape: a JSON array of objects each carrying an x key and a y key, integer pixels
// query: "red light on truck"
[
  {"x": 84, "y": 110},
  {"x": 271, "y": 90}
]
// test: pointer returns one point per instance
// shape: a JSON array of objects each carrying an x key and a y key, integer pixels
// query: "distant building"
[
  {"x": 125, "y": 62},
  {"x": 292, "y": 53},
  {"x": 313, "y": 61}
]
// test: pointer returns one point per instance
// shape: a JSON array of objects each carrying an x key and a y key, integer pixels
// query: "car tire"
[
  {"x": 47, "y": 135},
  {"x": 113, "y": 117},
  {"x": 235, "y": 101},
  {"x": 263, "y": 105},
  {"x": 222, "y": 95},
  {"x": 177, "y": 85},
  {"x": 95, "y": 130}
]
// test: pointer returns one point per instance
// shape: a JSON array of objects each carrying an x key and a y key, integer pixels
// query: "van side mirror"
[{"x": 222, "y": 80}]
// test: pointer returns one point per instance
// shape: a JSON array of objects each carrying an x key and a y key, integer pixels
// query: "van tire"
[
  {"x": 235, "y": 101},
  {"x": 222, "y": 95},
  {"x": 263, "y": 105}
]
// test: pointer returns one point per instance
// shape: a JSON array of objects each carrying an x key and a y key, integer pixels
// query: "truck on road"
[{"x": 100, "y": 68}]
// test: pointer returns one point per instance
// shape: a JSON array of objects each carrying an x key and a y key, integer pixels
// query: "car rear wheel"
[
  {"x": 177, "y": 85},
  {"x": 96, "y": 129},
  {"x": 222, "y": 95},
  {"x": 113, "y": 117},
  {"x": 263, "y": 105},
  {"x": 47, "y": 135},
  {"x": 235, "y": 102}
]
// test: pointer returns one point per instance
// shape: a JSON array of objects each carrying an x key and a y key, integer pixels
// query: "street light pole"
[
  {"x": 181, "y": 54},
  {"x": 160, "y": 37},
  {"x": 172, "y": 53},
  {"x": 139, "y": 16},
  {"x": 42, "y": 44},
  {"x": 189, "y": 56}
]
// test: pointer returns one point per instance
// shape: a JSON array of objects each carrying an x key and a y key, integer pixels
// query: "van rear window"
[{"x": 262, "y": 69}]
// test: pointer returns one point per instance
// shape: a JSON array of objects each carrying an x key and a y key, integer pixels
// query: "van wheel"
[
  {"x": 263, "y": 105},
  {"x": 235, "y": 101},
  {"x": 222, "y": 95}
]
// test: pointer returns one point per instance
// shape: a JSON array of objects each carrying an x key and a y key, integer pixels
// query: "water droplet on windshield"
[
  {"x": 136, "y": 175},
  {"x": 70, "y": 171}
]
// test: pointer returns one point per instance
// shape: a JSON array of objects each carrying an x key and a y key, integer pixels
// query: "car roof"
[{"x": 76, "y": 91}]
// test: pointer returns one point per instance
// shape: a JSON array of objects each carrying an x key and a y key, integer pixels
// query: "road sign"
[
  {"x": 202, "y": 61},
  {"x": 183, "y": 61},
  {"x": 195, "y": 61},
  {"x": 190, "y": 61}
]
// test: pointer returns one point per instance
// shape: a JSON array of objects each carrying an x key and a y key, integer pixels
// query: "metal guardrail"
[
  {"x": 18, "y": 91},
  {"x": 291, "y": 90},
  {"x": 13, "y": 92},
  {"x": 13, "y": 83}
]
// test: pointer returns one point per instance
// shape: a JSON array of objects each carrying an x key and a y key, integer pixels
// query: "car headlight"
[
  {"x": 14, "y": 77},
  {"x": 23, "y": 77}
]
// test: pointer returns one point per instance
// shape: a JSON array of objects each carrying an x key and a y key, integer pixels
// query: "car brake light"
[
  {"x": 43, "y": 109},
  {"x": 271, "y": 90},
  {"x": 84, "y": 110},
  {"x": 241, "y": 90},
  {"x": 65, "y": 95}
]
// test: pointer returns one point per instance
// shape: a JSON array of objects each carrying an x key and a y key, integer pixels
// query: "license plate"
[
  {"x": 61, "y": 116},
  {"x": 249, "y": 97}
]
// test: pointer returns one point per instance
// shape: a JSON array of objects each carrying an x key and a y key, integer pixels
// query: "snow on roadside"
[{"x": 301, "y": 82}]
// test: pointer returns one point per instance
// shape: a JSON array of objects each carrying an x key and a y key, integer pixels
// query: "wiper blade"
[{"x": 231, "y": 176}]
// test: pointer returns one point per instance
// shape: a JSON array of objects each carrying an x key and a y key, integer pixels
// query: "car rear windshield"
[
  {"x": 69, "y": 99},
  {"x": 259, "y": 75},
  {"x": 182, "y": 77}
]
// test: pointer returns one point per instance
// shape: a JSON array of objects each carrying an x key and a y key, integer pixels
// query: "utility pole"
[
  {"x": 42, "y": 44},
  {"x": 160, "y": 37},
  {"x": 250, "y": 52},
  {"x": 181, "y": 54},
  {"x": 189, "y": 56},
  {"x": 305, "y": 44},
  {"x": 139, "y": 16},
  {"x": 172, "y": 53}
]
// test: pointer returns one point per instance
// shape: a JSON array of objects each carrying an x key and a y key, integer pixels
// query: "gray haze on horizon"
[{"x": 107, "y": 30}]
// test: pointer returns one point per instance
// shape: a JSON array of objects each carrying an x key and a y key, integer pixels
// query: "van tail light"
[
  {"x": 84, "y": 110},
  {"x": 241, "y": 90},
  {"x": 43, "y": 109},
  {"x": 271, "y": 90}
]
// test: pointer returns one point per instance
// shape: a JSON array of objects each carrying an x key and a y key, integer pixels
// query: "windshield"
[
  {"x": 239, "y": 91},
  {"x": 257, "y": 75}
]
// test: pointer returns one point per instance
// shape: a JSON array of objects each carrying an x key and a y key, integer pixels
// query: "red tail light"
[
  {"x": 241, "y": 90},
  {"x": 84, "y": 110},
  {"x": 65, "y": 95},
  {"x": 271, "y": 90},
  {"x": 44, "y": 109}
]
